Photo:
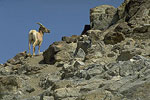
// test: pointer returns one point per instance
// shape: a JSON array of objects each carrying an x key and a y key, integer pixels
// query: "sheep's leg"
[
  {"x": 34, "y": 44},
  {"x": 33, "y": 50},
  {"x": 39, "y": 49}
]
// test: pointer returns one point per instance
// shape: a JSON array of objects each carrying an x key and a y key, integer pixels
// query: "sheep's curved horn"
[{"x": 40, "y": 24}]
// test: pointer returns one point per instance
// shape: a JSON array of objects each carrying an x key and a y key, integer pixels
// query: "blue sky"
[{"x": 62, "y": 17}]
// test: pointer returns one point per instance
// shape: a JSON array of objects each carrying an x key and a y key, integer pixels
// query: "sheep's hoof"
[
  {"x": 33, "y": 55},
  {"x": 40, "y": 53}
]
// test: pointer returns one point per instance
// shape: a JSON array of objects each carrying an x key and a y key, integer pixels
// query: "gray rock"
[
  {"x": 102, "y": 17},
  {"x": 121, "y": 10},
  {"x": 66, "y": 92},
  {"x": 113, "y": 38},
  {"x": 137, "y": 15},
  {"x": 9, "y": 83},
  {"x": 95, "y": 35},
  {"x": 70, "y": 98},
  {"x": 48, "y": 80},
  {"x": 138, "y": 92},
  {"x": 18, "y": 58},
  {"x": 96, "y": 54},
  {"x": 8, "y": 97},
  {"x": 30, "y": 89},
  {"x": 6, "y": 70},
  {"x": 83, "y": 43},
  {"x": 141, "y": 29},
  {"x": 96, "y": 94},
  {"x": 72, "y": 39},
  {"x": 90, "y": 72},
  {"x": 125, "y": 55},
  {"x": 68, "y": 71},
  {"x": 63, "y": 84},
  {"x": 78, "y": 64},
  {"x": 80, "y": 54},
  {"x": 48, "y": 98},
  {"x": 111, "y": 55},
  {"x": 48, "y": 92},
  {"x": 124, "y": 28},
  {"x": 59, "y": 51},
  {"x": 33, "y": 98}
]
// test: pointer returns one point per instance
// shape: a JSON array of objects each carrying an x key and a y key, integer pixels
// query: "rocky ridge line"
[{"x": 110, "y": 60}]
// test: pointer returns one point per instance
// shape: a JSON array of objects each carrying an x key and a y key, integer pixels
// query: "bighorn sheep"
[{"x": 36, "y": 37}]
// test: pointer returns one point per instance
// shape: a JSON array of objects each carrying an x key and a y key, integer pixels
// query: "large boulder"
[
  {"x": 102, "y": 17},
  {"x": 113, "y": 38},
  {"x": 135, "y": 12},
  {"x": 121, "y": 10},
  {"x": 59, "y": 51}
]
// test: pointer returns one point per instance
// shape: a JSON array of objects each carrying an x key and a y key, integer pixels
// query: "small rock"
[
  {"x": 30, "y": 89},
  {"x": 124, "y": 56},
  {"x": 66, "y": 92},
  {"x": 78, "y": 64},
  {"x": 111, "y": 55},
  {"x": 84, "y": 43},
  {"x": 67, "y": 66},
  {"x": 48, "y": 98},
  {"x": 80, "y": 54}
]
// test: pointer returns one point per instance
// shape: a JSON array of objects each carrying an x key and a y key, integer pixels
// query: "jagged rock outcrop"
[
  {"x": 137, "y": 15},
  {"x": 72, "y": 39},
  {"x": 110, "y": 60},
  {"x": 59, "y": 51},
  {"x": 102, "y": 17},
  {"x": 135, "y": 12}
]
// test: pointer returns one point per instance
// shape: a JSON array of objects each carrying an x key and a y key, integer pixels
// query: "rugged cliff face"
[{"x": 110, "y": 60}]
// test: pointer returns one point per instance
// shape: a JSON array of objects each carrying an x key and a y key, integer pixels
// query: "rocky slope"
[{"x": 110, "y": 60}]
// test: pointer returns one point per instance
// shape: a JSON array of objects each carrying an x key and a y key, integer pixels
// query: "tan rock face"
[
  {"x": 102, "y": 17},
  {"x": 59, "y": 51}
]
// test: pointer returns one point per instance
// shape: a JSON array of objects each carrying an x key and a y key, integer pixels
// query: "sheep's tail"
[{"x": 31, "y": 34}]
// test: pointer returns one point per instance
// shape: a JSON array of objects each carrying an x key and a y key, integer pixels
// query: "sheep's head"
[{"x": 43, "y": 28}]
